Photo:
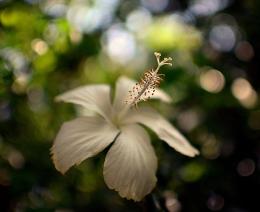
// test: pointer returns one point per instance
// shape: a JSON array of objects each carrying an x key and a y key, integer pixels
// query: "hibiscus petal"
[
  {"x": 80, "y": 139},
  {"x": 92, "y": 97},
  {"x": 162, "y": 128},
  {"x": 161, "y": 95},
  {"x": 124, "y": 85},
  {"x": 131, "y": 164}
]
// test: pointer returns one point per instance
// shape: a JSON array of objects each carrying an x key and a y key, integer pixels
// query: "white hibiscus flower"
[{"x": 130, "y": 164}]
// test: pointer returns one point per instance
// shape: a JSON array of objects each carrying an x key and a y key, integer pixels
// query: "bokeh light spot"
[
  {"x": 188, "y": 120},
  {"x": 133, "y": 21},
  {"x": 155, "y": 5},
  {"x": 39, "y": 46},
  {"x": 192, "y": 172},
  {"x": 215, "y": 202},
  {"x": 211, "y": 147},
  {"x": 222, "y": 37},
  {"x": 246, "y": 167},
  {"x": 55, "y": 8},
  {"x": 243, "y": 91},
  {"x": 207, "y": 7},
  {"x": 88, "y": 17},
  {"x": 244, "y": 51},
  {"x": 120, "y": 45},
  {"x": 212, "y": 81},
  {"x": 171, "y": 202},
  {"x": 15, "y": 159}
]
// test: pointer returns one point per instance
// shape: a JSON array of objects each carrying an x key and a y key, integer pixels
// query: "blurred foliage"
[{"x": 47, "y": 47}]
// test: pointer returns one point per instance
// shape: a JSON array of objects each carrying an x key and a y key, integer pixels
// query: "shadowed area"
[{"x": 48, "y": 47}]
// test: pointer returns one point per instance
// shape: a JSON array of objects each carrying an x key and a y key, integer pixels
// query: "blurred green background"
[{"x": 48, "y": 47}]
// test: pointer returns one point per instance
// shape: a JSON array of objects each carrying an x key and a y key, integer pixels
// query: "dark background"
[{"x": 47, "y": 47}]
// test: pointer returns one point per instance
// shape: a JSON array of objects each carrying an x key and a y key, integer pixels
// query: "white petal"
[
  {"x": 80, "y": 139},
  {"x": 162, "y": 128},
  {"x": 93, "y": 97},
  {"x": 131, "y": 164},
  {"x": 124, "y": 85},
  {"x": 161, "y": 95}
]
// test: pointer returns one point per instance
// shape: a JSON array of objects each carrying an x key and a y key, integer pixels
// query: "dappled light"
[{"x": 163, "y": 108}]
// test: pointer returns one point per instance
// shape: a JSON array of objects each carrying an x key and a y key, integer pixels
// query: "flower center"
[
  {"x": 151, "y": 79},
  {"x": 117, "y": 117}
]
